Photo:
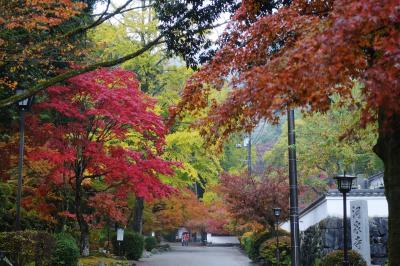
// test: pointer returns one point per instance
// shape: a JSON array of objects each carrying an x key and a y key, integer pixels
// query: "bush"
[
  {"x": 96, "y": 239},
  {"x": 267, "y": 251},
  {"x": 150, "y": 243},
  {"x": 132, "y": 246},
  {"x": 66, "y": 251},
  {"x": 248, "y": 242},
  {"x": 252, "y": 245},
  {"x": 24, "y": 247},
  {"x": 248, "y": 245},
  {"x": 243, "y": 238},
  {"x": 335, "y": 258}
]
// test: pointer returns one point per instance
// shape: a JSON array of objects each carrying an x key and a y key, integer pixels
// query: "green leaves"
[
  {"x": 198, "y": 164},
  {"x": 330, "y": 143}
]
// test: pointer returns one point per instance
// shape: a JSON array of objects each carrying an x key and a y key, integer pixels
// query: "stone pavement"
[{"x": 198, "y": 256}]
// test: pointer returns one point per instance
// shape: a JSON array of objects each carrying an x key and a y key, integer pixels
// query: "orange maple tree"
[
  {"x": 298, "y": 57},
  {"x": 185, "y": 209},
  {"x": 180, "y": 209},
  {"x": 27, "y": 39}
]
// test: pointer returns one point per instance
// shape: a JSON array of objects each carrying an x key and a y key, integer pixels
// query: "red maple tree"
[
  {"x": 298, "y": 57},
  {"x": 103, "y": 139},
  {"x": 251, "y": 199}
]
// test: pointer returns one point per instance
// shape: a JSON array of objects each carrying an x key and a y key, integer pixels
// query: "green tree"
[
  {"x": 330, "y": 143},
  {"x": 199, "y": 166}
]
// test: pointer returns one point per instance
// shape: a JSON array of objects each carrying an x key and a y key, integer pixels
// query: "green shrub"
[
  {"x": 252, "y": 247},
  {"x": 24, "y": 247},
  {"x": 132, "y": 246},
  {"x": 335, "y": 258},
  {"x": 248, "y": 244},
  {"x": 66, "y": 251},
  {"x": 267, "y": 251},
  {"x": 243, "y": 238},
  {"x": 150, "y": 243}
]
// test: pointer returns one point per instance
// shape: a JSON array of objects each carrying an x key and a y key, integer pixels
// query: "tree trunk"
[
  {"x": 137, "y": 224},
  {"x": 83, "y": 225},
  {"x": 84, "y": 241},
  {"x": 388, "y": 149}
]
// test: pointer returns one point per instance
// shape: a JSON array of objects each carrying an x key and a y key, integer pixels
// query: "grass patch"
[{"x": 94, "y": 261}]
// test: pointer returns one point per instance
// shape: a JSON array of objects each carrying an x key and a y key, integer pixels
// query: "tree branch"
[
  {"x": 100, "y": 20},
  {"x": 134, "y": 8},
  {"x": 105, "y": 11},
  {"x": 124, "y": 11},
  {"x": 47, "y": 83},
  {"x": 41, "y": 85}
]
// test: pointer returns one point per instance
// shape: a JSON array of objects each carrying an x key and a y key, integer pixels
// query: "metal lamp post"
[
  {"x": 344, "y": 184},
  {"x": 294, "y": 206},
  {"x": 120, "y": 238},
  {"x": 24, "y": 105},
  {"x": 277, "y": 213}
]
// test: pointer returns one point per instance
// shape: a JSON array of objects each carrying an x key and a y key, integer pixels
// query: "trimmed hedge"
[
  {"x": 335, "y": 258},
  {"x": 252, "y": 242},
  {"x": 267, "y": 251},
  {"x": 24, "y": 247},
  {"x": 150, "y": 242},
  {"x": 66, "y": 251},
  {"x": 132, "y": 246}
]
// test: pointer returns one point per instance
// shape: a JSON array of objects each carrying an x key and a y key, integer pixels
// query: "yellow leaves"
[
  {"x": 13, "y": 69},
  {"x": 40, "y": 167},
  {"x": 86, "y": 182},
  {"x": 8, "y": 83}
]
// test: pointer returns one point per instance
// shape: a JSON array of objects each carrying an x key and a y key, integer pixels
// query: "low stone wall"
[
  {"x": 378, "y": 236},
  {"x": 327, "y": 235}
]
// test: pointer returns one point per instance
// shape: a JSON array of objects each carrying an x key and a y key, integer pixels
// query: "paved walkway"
[{"x": 198, "y": 256}]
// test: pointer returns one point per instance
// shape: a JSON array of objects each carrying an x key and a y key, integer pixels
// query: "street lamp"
[
  {"x": 277, "y": 213},
  {"x": 120, "y": 238},
  {"x": 23, "y": 105},
  {"x": 344, "y": 184}
]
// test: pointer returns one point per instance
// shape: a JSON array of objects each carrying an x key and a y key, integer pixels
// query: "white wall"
[
  {"x": 313, "y": 216},
  {"x": 377, "y": 206},
  {"x": 222, "y": 239},
  {"x": 333, "y": 207},
  {"x": 310, "y": 217}
]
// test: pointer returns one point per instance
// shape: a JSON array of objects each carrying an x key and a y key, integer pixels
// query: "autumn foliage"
[
  {"x": 299, "y": 56},
  {"x": 103, "y": 140},
  {"x": 251, "y": 199},
  {"x": 38, "y": 15},
  {"x": 31, "y": 36},
  {"x": 181, "y": 209}
]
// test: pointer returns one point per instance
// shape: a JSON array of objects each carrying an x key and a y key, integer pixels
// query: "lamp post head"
[
  {"x": 344, "y": 182},
  {"x": 24, "y": 104},
  {"x": 277, "y": 212}
]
